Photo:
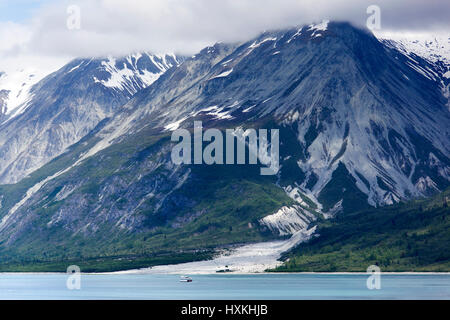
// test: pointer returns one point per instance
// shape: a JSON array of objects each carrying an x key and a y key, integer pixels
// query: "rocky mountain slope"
[
  {"x": 42, "y": 119},
  {"x": 16, "y": 82},
  {"x": 435, "y": 49},
  {"x": 360, "y": 125}
]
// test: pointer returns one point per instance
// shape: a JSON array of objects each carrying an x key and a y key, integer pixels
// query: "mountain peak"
[
  {"x": 64, "y": 106},
  {"x": 361, "y": 123}
]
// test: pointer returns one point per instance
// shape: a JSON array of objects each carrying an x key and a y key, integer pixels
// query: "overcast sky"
[{"x": 39, "y": 27}]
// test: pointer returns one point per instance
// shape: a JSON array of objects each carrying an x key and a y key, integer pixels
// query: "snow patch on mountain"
[
  {"x": 256, "y": 44},
  {"x": 433, "y": 47},
  {"x": 318, "y": 28},
  {"x": 16, "y": 84},
  {"x": 223, "y": 74},
  {"x": 129, "y": 76},
  {"x": 174, "y": 125},
  {"x": 298, "y": 33},
  {"x": 288, "y": 220}
]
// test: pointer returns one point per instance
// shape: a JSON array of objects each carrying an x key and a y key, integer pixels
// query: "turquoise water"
[{"x": 264, "y": 286}]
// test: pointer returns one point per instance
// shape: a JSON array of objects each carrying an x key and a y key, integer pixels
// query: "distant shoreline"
[
  {"x": 133, "y": 272},
  {"x": 142, "y": 272}
]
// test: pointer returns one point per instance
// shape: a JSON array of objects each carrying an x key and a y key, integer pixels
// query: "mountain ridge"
[
  {"x": 359, "y": 125},
  {"x": 68, "y": 104}
]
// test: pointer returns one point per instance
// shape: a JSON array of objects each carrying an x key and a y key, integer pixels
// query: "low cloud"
[{"x": 185, "y": 26}]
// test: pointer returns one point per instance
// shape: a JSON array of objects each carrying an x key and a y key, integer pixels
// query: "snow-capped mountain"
[
  {"x": 355, "y": 111},
  {"x": 135, "y": 72},
  {"x": 18, "y": 74},
  {"x": 360, "y": 124},
  {"x": 433, "y": 48},
  {"x": 41, "y": 119},
  {"x": 15, "y": 88}
]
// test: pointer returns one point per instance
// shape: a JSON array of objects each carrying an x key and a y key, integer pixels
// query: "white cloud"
[
  {"x": 185, "y": 26},
  {"x": 13, "y": 37}
]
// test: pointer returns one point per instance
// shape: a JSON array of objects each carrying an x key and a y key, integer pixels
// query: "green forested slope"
[{"x": 413, "y": 236}]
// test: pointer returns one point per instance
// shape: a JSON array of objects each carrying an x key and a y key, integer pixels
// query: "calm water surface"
[{"x": 263, "y": 286}]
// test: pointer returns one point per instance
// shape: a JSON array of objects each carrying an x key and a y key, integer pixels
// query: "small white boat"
[{"x": 185, "y": 279}]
